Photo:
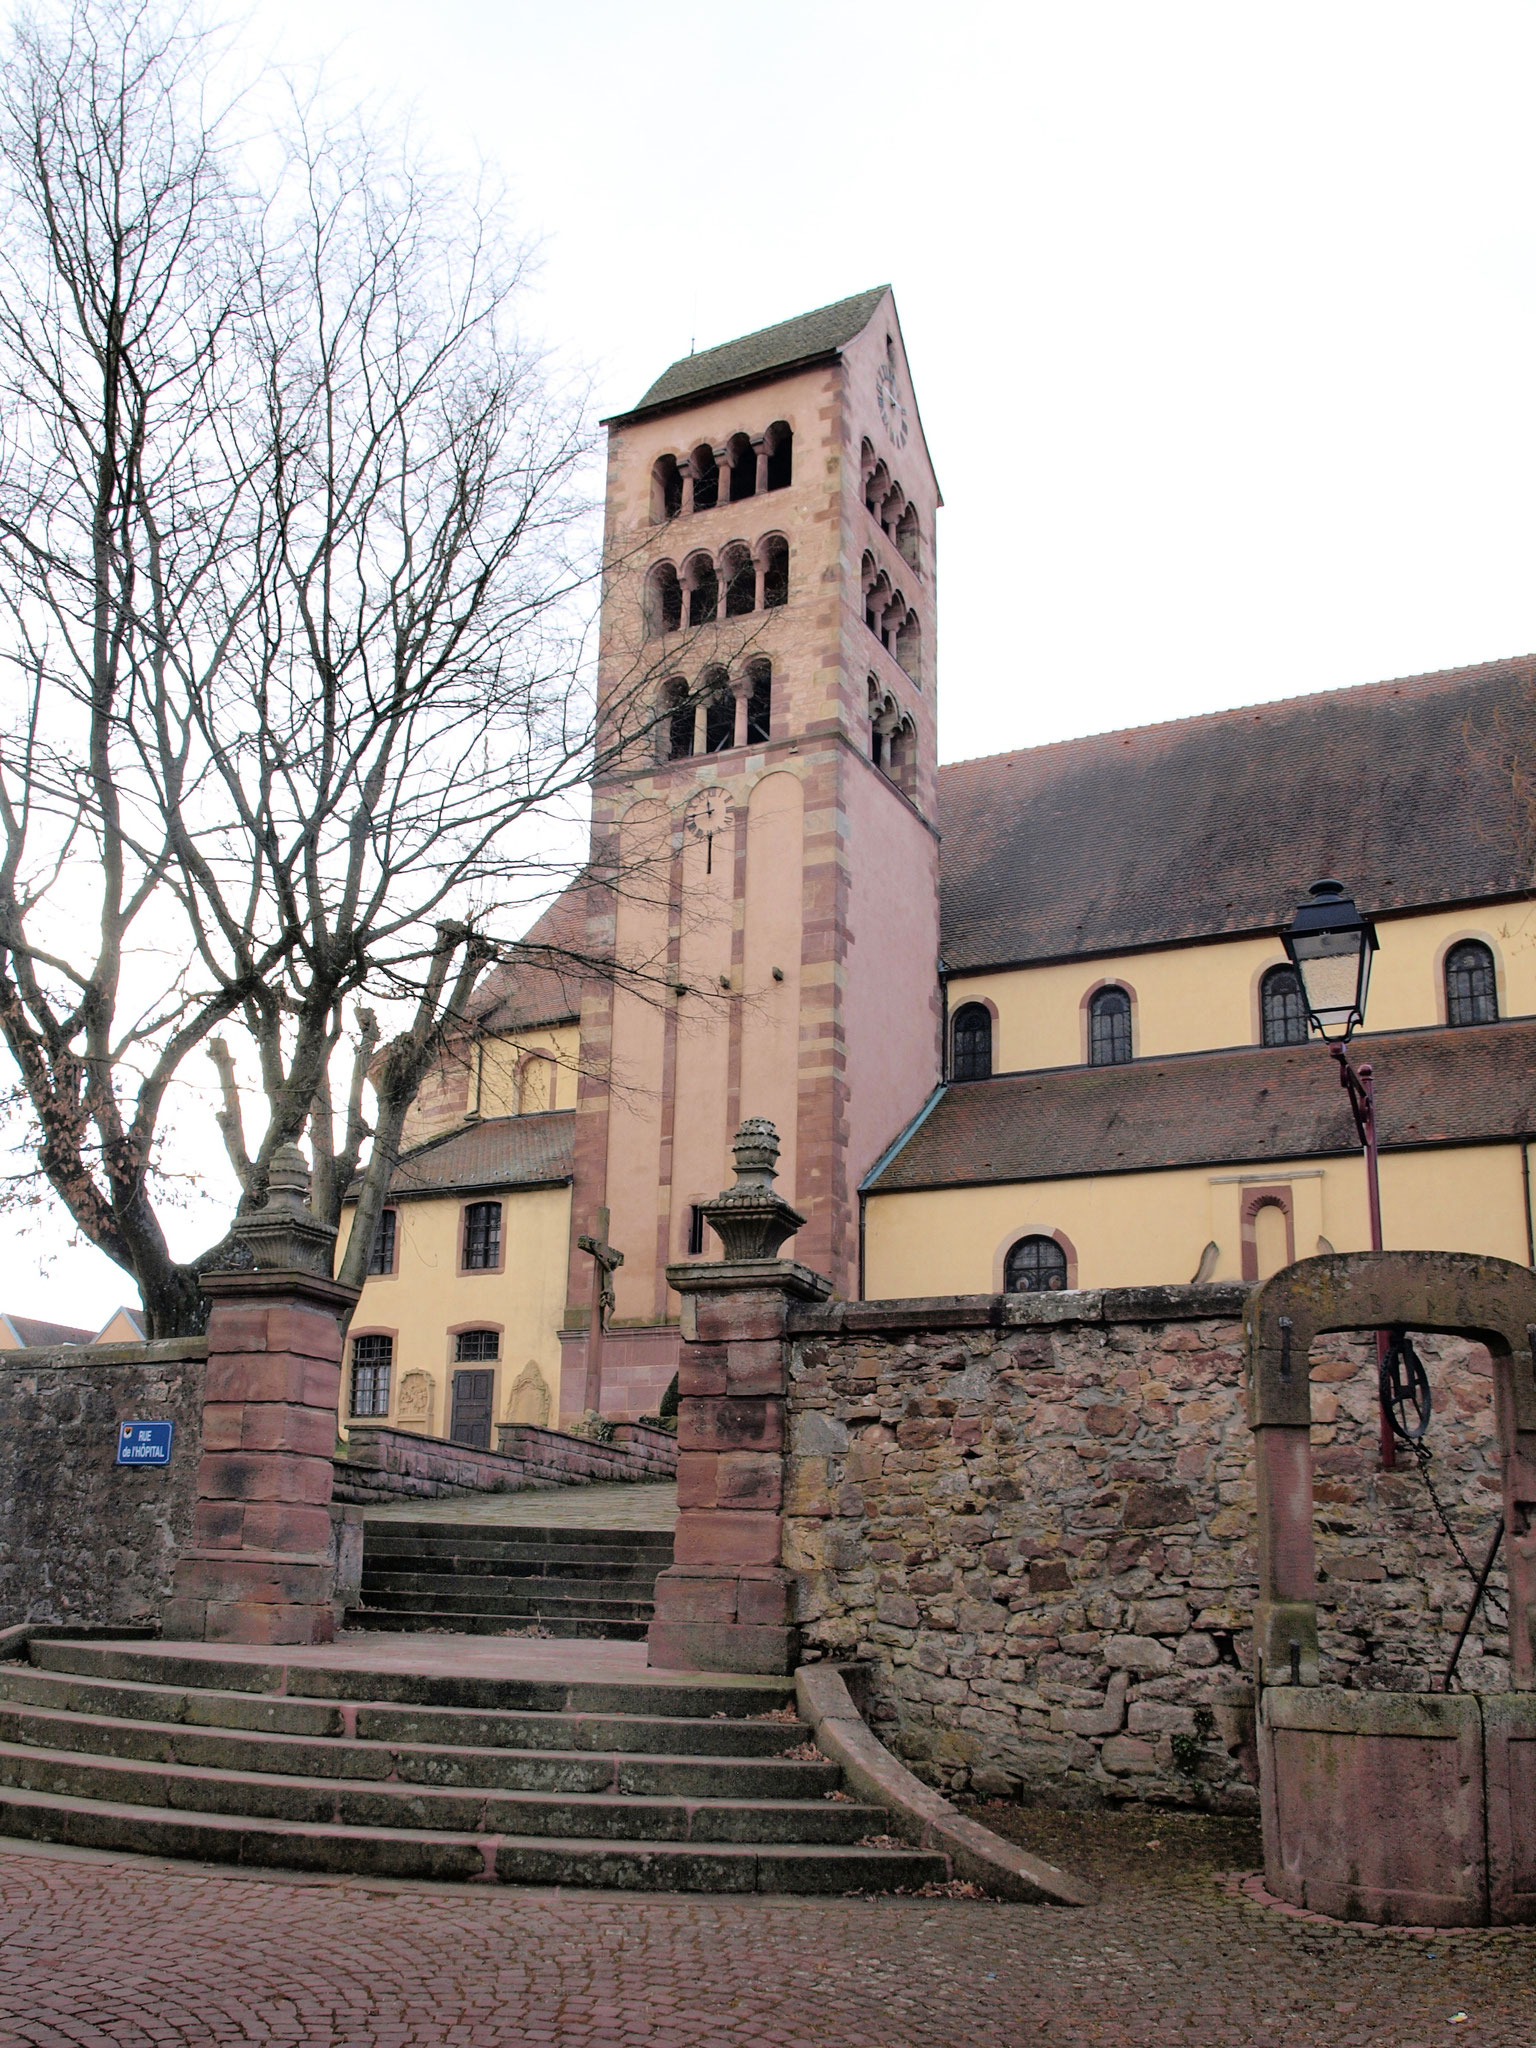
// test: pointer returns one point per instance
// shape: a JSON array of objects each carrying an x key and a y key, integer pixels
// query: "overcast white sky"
[{"x": 1220, "y": 316}]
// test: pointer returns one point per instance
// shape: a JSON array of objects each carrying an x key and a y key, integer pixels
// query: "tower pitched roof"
[
  {"x": 1215, "y": 825},
  {"x": 807, "y": 338}
]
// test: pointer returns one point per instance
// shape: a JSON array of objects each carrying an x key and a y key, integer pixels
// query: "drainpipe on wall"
[{"x": 1525, "y": 1177}]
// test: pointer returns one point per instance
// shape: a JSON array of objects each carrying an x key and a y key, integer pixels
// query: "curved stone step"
[
  {"x": 417, "y": 1763},
  {"x": 453, "y": 1727},
  {"x": 424, "y": 1854},
  {"x": 347, "y": 1803},
  {"x": 649, "y": 1694}
]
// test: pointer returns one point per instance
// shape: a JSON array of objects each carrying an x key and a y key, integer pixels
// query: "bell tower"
[{"x": 766, "y": 854}]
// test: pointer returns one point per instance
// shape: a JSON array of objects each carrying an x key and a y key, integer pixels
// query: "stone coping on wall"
[
  {"x": 1019, "y": 1311},
  {"x": 42, "y": 1357}
]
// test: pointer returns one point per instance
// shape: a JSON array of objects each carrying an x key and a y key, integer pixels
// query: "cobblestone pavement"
[
  {"x": 104, "y": 1953},
  {"x": 634, "y": 1504}
]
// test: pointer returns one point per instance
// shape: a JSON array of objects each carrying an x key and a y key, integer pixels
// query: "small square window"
[{"x": 474, "y": 1346}]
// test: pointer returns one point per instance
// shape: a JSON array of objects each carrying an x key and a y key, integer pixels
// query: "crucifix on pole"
[{"x": 604, "y": 1261}]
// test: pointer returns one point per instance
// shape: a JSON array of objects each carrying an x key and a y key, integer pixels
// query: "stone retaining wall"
[
  {"x": 395, "y": 1464},
  {"x": 82, "y": 1538},
  {"x": 1035, "y": 1514}
]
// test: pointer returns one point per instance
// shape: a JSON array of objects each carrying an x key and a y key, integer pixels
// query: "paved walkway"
[
  {"x": 634, "y": 1504},
  {"x": 120, "y": 1953}
]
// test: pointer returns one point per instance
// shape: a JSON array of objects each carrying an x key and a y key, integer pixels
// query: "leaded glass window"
[
  {"x": 1035, "y": 1265},
  {"x": 1283, "y": 1008},
  {"x": 1109, "y": 1028},
  {"x": 1471, "y": 990}
]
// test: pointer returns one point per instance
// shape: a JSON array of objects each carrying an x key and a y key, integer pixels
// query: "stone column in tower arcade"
[{"x": 725, "y": 1603}]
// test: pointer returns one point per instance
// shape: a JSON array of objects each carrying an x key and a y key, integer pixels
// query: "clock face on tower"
[
  {"x": 710, "y": 813},
  {"x": 892, "y": 412}
]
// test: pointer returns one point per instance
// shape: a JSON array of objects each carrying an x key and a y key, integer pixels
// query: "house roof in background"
[
  {"x": 1219, "y": 824},
  {"x": 807, "y": 338},
  {"x": 1241, "y": 1107},
  {"x": 134, "y": 1317},
  {"x": 500, "y": 1152},
  {"x": 28, "y": 1330}
]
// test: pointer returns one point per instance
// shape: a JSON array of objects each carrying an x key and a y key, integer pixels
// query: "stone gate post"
[
  {"x": 724, "y": 1603},
  {"x": 257, "y": 1567}
]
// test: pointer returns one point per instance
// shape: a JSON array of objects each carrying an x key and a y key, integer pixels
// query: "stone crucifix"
[{"x": 604, "y": 1262}]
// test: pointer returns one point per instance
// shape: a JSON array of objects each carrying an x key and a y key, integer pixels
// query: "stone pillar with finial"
[
  {"x": 258, "y": 1566},
  {"x": 725, "y": 1603}
]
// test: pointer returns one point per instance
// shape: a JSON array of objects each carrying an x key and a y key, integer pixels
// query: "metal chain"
[{"x": 1423, "y": 1454}]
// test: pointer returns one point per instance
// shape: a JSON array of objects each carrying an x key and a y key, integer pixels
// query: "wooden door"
[{"x": 472, "y": 1393}]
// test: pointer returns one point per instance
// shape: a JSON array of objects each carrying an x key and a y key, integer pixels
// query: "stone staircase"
[
  {"x": 644, "y": 1781},
  {"x": 487, "y": 1579}
]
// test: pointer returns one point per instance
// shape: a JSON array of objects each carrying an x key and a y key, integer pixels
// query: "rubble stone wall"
[
  {"x": 82, "y": 1538},
  {"x": 1036, "y": 1515}
]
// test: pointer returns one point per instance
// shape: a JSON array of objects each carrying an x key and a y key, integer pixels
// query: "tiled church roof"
[
  {"x": 1243, "y": 1107},
  {"x": 542, "y": 985},
  {"x": 500, "y": 1152},
  {"x": 1219, "y": 824},
  {"x": 804, "y": 339}
]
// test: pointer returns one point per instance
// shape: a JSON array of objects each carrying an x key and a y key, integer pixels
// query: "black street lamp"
[{"x": 1331, "y": 947}]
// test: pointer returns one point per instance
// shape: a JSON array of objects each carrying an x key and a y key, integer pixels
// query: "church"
[{"x": 1022, "y": 1023}]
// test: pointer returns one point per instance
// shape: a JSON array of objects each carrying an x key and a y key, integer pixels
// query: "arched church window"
[
  {"x": 1035, "y": 1265},
  {"x": 703, "y": 591},
  {"x": 743, "y": 468},
  {"x": 740, "y": 581},
  {"x": 663, "y": 600},
  {"x": 666, "y": 490},
  {"x": 775, "y": 572},
  {"x": 1471, "y": 986},
  {"x": 680, "y": 721},
  {"x": 1109, "y": 1028},
  {"x": 876, "y": 487},
  {"x": 1282, "y": 1009},
  {"x": 719, "y": 713},
  {"x": 909, "y": 646},
  {"x": 907, "y": 541},
  {"x": 971, "y": 1036},
  {"x": 760, "y": 703},
  {"x": 706, "y": 478},
  {"x": 780, "y": 443}
]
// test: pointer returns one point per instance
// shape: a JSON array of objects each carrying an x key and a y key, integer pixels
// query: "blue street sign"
[{"x": 144, "y": 1443}]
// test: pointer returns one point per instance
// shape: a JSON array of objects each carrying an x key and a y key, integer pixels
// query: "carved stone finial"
[
  {"x": 751, "y": 1219},
  {"x": 285, "y": 1235}
]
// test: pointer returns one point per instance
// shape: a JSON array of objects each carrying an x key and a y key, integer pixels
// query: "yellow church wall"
[
  {"x": 1196, "y": 998},
  {"x": 1152, "y": 1229},
  {"x": 427, "y": 1299},
  {"x": 532, "y": 1071}
]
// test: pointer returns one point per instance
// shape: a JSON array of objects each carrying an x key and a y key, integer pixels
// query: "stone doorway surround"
[{"x": 1395, "y": 1807}]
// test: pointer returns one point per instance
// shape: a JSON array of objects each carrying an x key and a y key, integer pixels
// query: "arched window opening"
[
  {"x": 743, "y": 468},
  {"x": 680, "y": 722},
  {"x": 1035, "y": 1265},
  {"x": 703, "y": 591},
  {"x": 1471, "y": 986},
  {"x": 876, "y": 486},
  {"x": 780, "y": 443},
  {"x": 760, "y": 704},
  {"x": 373, "y": 1356},
  {"x": 776, "y": 573},
  {"x": 666, "y": 490},
  {"x": 741, "y": 583},
  {"x": 1109, "y": 1028},
  {"x": 663, "y": 600},
  {"x": 891, "y": 511},
  {"x": 706, "y": 478},
  {"x": 907, "y": 540},
  {"x": 876, "y": 725},
  {"x": 877, "y": 602},
  {"x": 1282, "y": 1008},
  {"x": 535, "y": 1085},
  {"x": 909, "y": 646},
  {"x": 719, "y": 713},
  {"x": 971, "y": 1035}
]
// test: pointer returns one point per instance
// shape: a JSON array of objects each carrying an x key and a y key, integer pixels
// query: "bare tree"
[{"x": 295, "y": 721}]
